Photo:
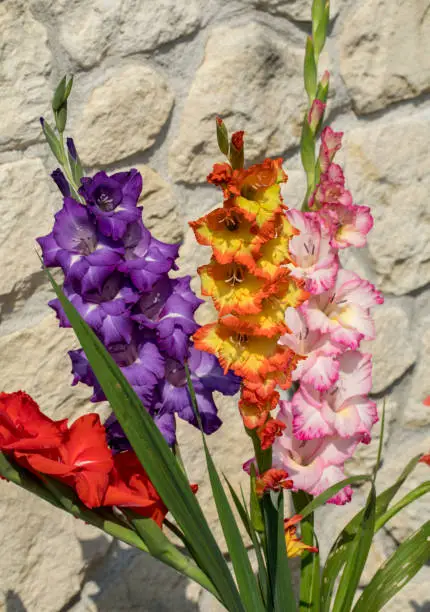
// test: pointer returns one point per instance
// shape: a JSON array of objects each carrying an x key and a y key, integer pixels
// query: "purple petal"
[
  {"x": 61, "y": 182},
  {"x": 206, "y": 368}
]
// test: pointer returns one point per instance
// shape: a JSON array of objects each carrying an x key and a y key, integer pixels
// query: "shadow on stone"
[
  {"x": 14, "y": 602},
  {"x": 127, "y": 579},
  {"x": 424, "y": 607}
]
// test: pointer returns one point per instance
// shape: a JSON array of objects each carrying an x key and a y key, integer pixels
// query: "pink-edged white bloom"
[
  {"x": 344, "y": 311},
  {"x": 320, "y": 369},
  {"x": 331, "y": 189},
  {"x": 313, "y": 258},
  {"x": 345, "y": 410},
  {"x": 312, "y": 465},
  {"x": 331, "y": 142},
  {"x": 349, "y": 224}
]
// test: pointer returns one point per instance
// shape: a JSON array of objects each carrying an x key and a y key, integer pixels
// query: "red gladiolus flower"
[
  {"x": 130, "y": 487},
  {"x": 426, "y": 402},
  {"x": 83, "y": 460},
  {"x": 24, "y": 428},
  {"x": 267, "y": 434},
  {"x": 425, "y": 459},
  {"x": 274, "y": 480}
]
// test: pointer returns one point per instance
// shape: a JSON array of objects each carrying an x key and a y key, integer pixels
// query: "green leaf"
[
  {"x": 381, "y": 443},
  {"x": 160, "y": 547},
  {"x": 310, "y": 70},
  {"x": 154, "y": 455},
  {"x": 341, "y": 548},
  {"x": 358, "y": 555},
  {"x": 396, "y": 572},
  {"x": 222, "y": 136},
  {"x": 249, "y": 592},
  {"x": 320, "y": 31},
  {"x": 53, "y": 141},
  {"x": 284, "y": 600},
  {"x": 416, "y": 493},
  {"x": 68, "y": 88},
  {"x": 310, "y": 563},
  {"x": 331, "y": 492}
]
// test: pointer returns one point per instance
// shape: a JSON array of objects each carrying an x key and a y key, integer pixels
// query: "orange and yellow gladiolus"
[{"x": 250, "y": 285}]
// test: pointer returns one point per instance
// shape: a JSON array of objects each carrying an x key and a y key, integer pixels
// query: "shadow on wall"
[
  {"x": 13, "y": 603},
  {"x": 126, "y": 579},
  {"x": 425, "y": 607}
]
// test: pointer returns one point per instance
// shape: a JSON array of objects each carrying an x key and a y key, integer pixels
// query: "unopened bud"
[
  {"x": 222, "y": 136},
  {"x": 61, "y": 182},
  {"x": 237, "y": 154},
  {"x": 71, "y": 148},
  {"x": 316, "y": 114}
]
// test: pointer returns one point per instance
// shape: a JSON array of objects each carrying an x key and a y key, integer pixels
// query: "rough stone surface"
[
  {"x": 45, "y": 552},
  {"x": 392, "y": 350},
  {"x": 35, "y": 360},
  {"x": 392, "y": 178},
  {"x": 416, "y": 414},
  {"x": 24, "y": 72},
  {"x": 26, "y": 206},
  {"x": 299, "y": 10},
  {"x": 382, "y": 65},
  {"x": 159, "y": 209},
  {"x": 238, "y": 80},
  {"x": 243, "y": 60},
  {"x": 124, "y": 115},
  {"x": 88, "y": 32}
]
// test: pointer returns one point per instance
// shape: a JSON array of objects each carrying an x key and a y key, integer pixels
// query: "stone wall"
[{"x": 150, "y": 75}]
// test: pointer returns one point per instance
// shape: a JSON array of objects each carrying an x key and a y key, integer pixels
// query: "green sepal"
[
  {"x": 222, "y": 136},
  {"x": 59, "y": 95},
  {"x": 317, "y": 11},
  {"x": 52, "y": 140},
  {"x": 61, "y": 118},
  {"x": 322, "y": 91},
  {"x": 310, "y": 70},
  {"x": 320, "y": 31},
  {"x": 236, "y": 157}
]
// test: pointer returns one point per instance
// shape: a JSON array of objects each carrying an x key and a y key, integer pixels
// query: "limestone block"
[
  {"x": 392, "y": 350},
  {"x": 26, "y": 210},
  {"x": 124, "y": 115},
  {"x": 384, "y": 48},
  {"x": 35, "y": 360},
  {"x": 299, "y": 10},
  {"x": 387, "y": 169},
  {"x": 417, "y": 415},
  {"x": 252, "y": 79},
  {"x": 24, "y": 72},
  {"x": 44, "y": 551},
  {"x": 159, "y": 208},
  {"x": 89, "y": 31}
]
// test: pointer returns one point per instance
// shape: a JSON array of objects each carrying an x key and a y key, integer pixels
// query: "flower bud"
[
  {"x": 315, "y": 115},
  {"x": 61, "y": 182},
  {"x": 222, "y": 136},
  {"x": 237, "y": 154}
]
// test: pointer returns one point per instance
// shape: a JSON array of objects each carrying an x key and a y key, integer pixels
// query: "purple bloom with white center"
[
  {"x": 146, "y": 259},
  {"x": 106, "y": 311},
  {"x": 61, "y": 182},
  {"x": 113, "y": 200},
  {"x": 86, "y": 256},
  {"x": 169, "y": 309}
]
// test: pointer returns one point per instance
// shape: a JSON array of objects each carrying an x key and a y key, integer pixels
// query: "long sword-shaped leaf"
[
  {"x": 248, "y": 588},
  {"x": 284, "y": 596},
  {"x": 331, "y": 492},
  {"x": 341, "y": 548},
  {"x": 310, "y": 563},
  {"x": 355, "y": 563},
  {"x": 403, "y": 564},
  {"x": 155, "y": 455},
  {"x": 410, "y": 497}
]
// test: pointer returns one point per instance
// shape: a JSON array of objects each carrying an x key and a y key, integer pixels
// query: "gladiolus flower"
[
  {"x": 272, "y": 480},
  {"x": 295, "y": 546},
  {"x": 269, "y": 431}
]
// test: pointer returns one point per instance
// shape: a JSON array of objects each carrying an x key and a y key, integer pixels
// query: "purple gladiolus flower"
[
  {"x": 117, "y": 277},
  {"x": 61, "y": 182},
  {"x": 113, "y": 200},
  {"x": 169, "y": 309}
]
